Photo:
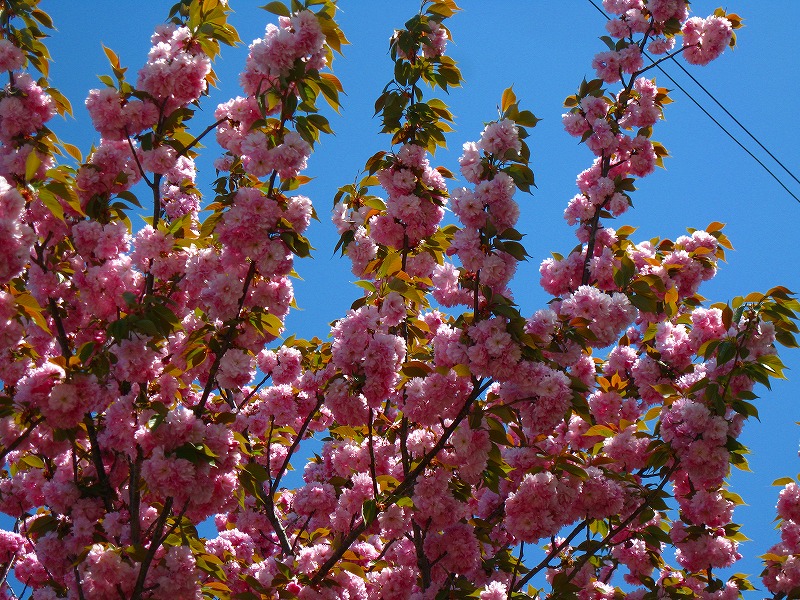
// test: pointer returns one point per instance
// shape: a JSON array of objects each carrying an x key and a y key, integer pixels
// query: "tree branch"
[
  {"x": 155, "y": 543},
  {"x": 405, "y": 486}
]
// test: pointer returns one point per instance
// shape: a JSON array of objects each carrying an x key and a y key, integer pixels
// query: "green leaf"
[
  {"x": 129, "y": 197},
  {"x": 608, "y": 42},
  {"x": 573, "y": 469},
  {"x": 369, "y": 511},
  {"x": 405, "y": 501},
  {"x": 112, "y": 57},
  {"x": 644, "y": 303},
  {"x": 367, "y": 285},
  {"x": 41, "y": 525},
  {"x": 73, "y": 151},
  {"x": 783, "y": 481},
  {"x": 137, "y": 552},
  {"x": 602, "y": 430},
  {"x": 32, "y": 164},
  {"x": 52, "y": 203},
  {"x": 32, "y": 460},
  {"x": 526, "y": 118},
  {"x": 508, "y": 98},
  {"x": 43, "y": 18},
  {"x": 415, "y": 368},
  {"x": 522, "y": 176},
  {"x": 515, "y": 249},
  {"x": 726, "y": 351},
  {"x": 86, "y": 351}
]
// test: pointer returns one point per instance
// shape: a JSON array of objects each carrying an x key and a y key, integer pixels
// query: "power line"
[
  {"x": 722, "y": 127},
  {"x": 735, "y": 120},
  {"x": 716, "y": 122},
  {"x": 602, "y": 12}
]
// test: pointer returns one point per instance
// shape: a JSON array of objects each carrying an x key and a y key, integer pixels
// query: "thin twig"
[
  {"x": 15, "y": 444},
  {"x": 295, "y": 443},
  {"x": 227, "y": 340},
  {"x": 155, "y": 543},
  {"x": 203, "y": 134},
  {"x": 406, "y": 485}
]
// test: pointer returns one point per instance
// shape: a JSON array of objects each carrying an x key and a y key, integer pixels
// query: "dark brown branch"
[
  {"x": 106, "y": 490},
  {"x": 155, "y": 543},
  {"x": 77, "y": 574},
  {"x": 516, "y": 568},
  {"x": 227, "y": 340},
  {"x": 203, "y": 134},
  {"x": 554, "y": 550},
  {"x": 63, "y": 339},
  {"x": 615, "y": 531},
  {"x": 286, "y": 547},
  {"x": 594, "y": 225},
  {"x": 136, "y": 160},
  {"x": 22, "y": 437},
  {"x": 253, "y": 392},
  {"x": 273, "y": 487},
  {"x": 405, "y": 486},
  {"x": 134, "y": 501},
  {"x": 371, "y": 449},
  {"x": 295, "y": 443}
]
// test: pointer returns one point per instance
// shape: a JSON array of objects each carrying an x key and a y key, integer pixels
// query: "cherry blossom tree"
[{"x": 463, "y": 449}]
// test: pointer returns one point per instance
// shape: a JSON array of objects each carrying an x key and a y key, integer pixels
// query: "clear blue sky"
[{"x": 544, "y": 49}]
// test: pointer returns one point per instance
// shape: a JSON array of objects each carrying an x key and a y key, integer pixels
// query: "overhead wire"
[
  {"x": 716, "y": 122},
  {"x": 735, "y": 120}
]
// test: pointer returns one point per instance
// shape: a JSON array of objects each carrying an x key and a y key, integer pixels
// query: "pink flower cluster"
[
  {"x": 541, "y": 506},
  {"x": 176, "y": 69},
  {"x": 248, "y": 229},
  {"x": 238, "y": 116},
  {"x": 16, "y": 234},
  {"x": 24, "y": 109},
  {"x": 491, "y": 203},
  {"x": 497, "y": 139},
  {"x": 297, "y": 38},
  {"x": 410, "y": 217},
  {"x": 698, "y": 437},
  {"x": 611, "y": 65},
  {"x": 783, "y": 576},
  {"x": 369, "y": 359},
  {"x": 699, "y": 548},
  {"x": 491, "y": 352},
  {"x": 641, "y": 109},
  {"x": 605, "y": 315},
  {"x": 203, "y": 486},
  {"x": 413, "y": 211},
  {"x": 634, "y": 554},
  {"x": 701, "y": 506},
  {"x": 97, "y": 242},
  {"x": 690, "y": 262},
  {"x": 11, "y": 57},
  {"x": 541, "y": 393},
  {"x": 111, "y": 169},
  {"x": 116, "y": 117},
  {"x": 705, "y": 39},
  {"x": 436, "y": 41},
  {"x": 178, "y": 195},
  {"x": 646, "y": 17},
  {"x": 429, "y": 399},
  {"x": 260, "y": 154}
]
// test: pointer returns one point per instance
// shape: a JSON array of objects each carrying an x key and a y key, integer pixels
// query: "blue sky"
[{"x": 544, "y": 49}]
